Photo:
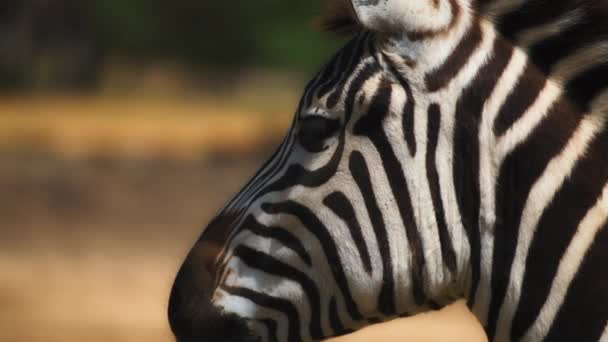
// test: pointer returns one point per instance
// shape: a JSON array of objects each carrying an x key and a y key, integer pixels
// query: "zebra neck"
[
  {"x": 529, "y": 168},
  {"x": 450, "y": 78}
]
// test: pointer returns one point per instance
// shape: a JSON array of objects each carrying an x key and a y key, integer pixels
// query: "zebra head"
[{"x": 355, "y": 218}]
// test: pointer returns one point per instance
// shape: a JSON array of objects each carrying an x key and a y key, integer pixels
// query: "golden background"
[
  {"x": 124, "y": 126},
  {"x": 98, "y": 210}
]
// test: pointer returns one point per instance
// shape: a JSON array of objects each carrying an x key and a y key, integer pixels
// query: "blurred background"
[{"x": 124, "y": 125}]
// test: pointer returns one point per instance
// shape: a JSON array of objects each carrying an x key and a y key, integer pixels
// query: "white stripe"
[
  {"x": 523, "y": 127},
  {"x": 487, "y": 140},
  {"x": 487, "y": 176},
  {"x": 502, "y": 7},
  {"x": 448, "y": 98},
  {"x": 397, "y": 239},
  {"x": 541, "y": 32},
  {"x": 422, "y": 202},
  {"x": 588, "y": 229},
  {"x": 604, "y": 337},
  {"x": 274, "y": 286},
  {"x": 347, "y": 79},
  {"x": 340, "y": 58},
  {"x": 539, "y": 199},
  {"x": 244, "y": 307},
  {"x": 579, "y": 61},
  {"x": 245, "y": 194},
  {"x": 600, "y": 103}
]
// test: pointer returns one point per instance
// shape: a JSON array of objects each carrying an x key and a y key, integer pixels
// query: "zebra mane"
[{"x": 566, "y": 39}]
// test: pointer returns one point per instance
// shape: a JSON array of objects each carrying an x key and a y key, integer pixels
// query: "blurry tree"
[
  {"x": 45, "y": 43},
  {"x": 62, "y": 42}
]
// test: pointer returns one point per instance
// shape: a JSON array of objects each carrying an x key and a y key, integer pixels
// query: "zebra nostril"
[
  {"x": 185, "y": 296},
  {"x": 193, "y": 318}
]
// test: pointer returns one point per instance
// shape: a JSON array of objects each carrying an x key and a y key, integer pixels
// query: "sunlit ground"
[{"x": 101, "y": 199}]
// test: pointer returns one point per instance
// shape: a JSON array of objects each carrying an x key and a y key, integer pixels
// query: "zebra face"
[
  {"x": 302, "y": 252},
  {"x": 454, "y": 148},
  {"x": 324, "y": 239}
]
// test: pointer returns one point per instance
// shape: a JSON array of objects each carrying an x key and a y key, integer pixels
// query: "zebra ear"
[{"x": 406, "y": 16}]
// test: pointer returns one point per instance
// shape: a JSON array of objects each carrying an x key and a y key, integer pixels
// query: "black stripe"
[
  {"x": 481, "y": 5},
  {"x": 277, "y": 304},
  {"x": 334, "y": 318},
  {"x": 320, "y": 231},
  {"x": 307, "y": 99},
  {"x": 534, "y": 14},
  {"x": 585, "y": 87},
  {"x": 466, "y": 150},
  {"x": 260, "y": 175},
  {"x": 331, "y": 76},
  {"x": 447, "y": 249},
  {"x": 271, "y": 327},
  {"x": 360, "y": 172},
  {"x": 589, "y": 30},
  {"x": 433, "y": 305},
  {"x": 518, "y": 173},
  {"x": 258, "y": 181},
  {"x": 371, "y": 49},
  {"x": 259, "y": 188},
  {"x": 558, "y": 225},
  {"x": 408, "y": 118},
  {"x": 282, "y": 154},
  {"x": 268, "y": 264},
  {"x": 340, "y": 205},
  {"x": 461, "y": 54},
  {"x": 370, "y": 125},
  {"x": 524, "y": 94},
  {"x": 325, "y": 77},
  {"x": 221, "y": 263},
  {"x": 584, "y": 314},
  {"x": 298, "y": 175},
  {"x": 374, "y": 320},
  {"x": 408, "y": 122},
  {"x": 357, "y": 55},
  {"x": 367, "y": 72},
  {"x": 280, "y": 234}
]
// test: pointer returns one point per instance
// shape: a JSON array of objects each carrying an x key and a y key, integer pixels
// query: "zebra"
[{"x": 452, "y": 149}]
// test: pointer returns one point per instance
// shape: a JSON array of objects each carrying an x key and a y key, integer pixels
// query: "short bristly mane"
[{"x": 566, "y": 39}]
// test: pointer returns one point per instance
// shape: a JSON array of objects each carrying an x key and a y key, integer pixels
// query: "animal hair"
[
  {"x": 566, "y": 39},
  {"x": 339, "y": 17}
]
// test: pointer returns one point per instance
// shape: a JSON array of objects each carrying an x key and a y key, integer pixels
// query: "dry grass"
[
  {"x": 136, "y": 128},
  {"x": 90, "y": 298}
]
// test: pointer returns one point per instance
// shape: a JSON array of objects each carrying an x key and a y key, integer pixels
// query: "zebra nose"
[
  {"x": 188, "y": 301},
  {"x": 193, "y": 317},
  {"x": 193, "y": 287}
]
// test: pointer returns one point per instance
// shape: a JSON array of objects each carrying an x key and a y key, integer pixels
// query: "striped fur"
[{"x": 463, "y": 155}]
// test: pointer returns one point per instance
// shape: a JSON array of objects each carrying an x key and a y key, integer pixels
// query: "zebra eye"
[{"x": 314, "y": 130}]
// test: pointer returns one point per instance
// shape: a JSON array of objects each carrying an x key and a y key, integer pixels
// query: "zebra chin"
[{"x": 193, "y": 317}]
